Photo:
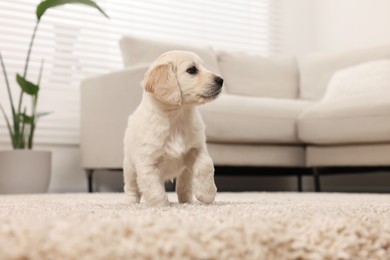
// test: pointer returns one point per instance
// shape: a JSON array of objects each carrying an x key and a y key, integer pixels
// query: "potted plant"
[{"x": 23, "y": 170}]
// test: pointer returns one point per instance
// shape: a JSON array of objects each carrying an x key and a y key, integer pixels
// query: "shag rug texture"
[{"x": 236, "y": 226}]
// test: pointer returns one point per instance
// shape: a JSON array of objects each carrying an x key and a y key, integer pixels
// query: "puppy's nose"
[{"x": 219, "y": 80}]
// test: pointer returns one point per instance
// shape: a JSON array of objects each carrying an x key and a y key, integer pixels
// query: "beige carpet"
[{"x": 237, "y": 226}]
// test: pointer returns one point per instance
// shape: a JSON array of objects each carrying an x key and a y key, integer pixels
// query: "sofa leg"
[
  {"x": 90, "y": 180},
  {"x": 299, "y": 182},
  {"x": 316, "y": 176}
]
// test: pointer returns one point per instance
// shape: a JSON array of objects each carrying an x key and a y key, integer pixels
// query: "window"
[{"x": 77, "y": 42}]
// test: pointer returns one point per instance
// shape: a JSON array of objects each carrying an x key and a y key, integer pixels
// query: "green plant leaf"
[
  {"x": 27, "y": 86},
  {"x": 41, "y": 114},
  {"x": 26, "y": 119},
  {"x": 47, "y": 4}
]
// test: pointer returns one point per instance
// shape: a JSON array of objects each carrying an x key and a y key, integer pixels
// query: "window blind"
[{"x": 78, "y": 42}]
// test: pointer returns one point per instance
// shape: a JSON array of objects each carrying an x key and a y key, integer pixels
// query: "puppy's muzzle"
[{"x": 214, "y": 88}]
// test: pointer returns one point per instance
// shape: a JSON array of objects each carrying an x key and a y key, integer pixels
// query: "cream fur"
[{"x": 165, "y": 136}]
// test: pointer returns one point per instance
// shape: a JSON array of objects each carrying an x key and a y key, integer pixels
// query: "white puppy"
[{"x": 165, "y": 136}]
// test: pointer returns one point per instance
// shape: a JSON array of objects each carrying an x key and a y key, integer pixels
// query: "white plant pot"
[{"x": 24, "y": 171}]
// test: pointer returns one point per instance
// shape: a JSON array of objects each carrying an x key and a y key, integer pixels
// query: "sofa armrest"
[{"x": 106, "y": 103}]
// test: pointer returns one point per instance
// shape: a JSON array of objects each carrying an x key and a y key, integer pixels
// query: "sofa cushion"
[
  {"x": 137, "y": 51},
  {"x": 364, "y": 80},
  {"x": 317, "y": 69},
  {"x": 240, "y": 119},
  {"x": 254, "y": 75},
  {"x": 348, "y": 121}
]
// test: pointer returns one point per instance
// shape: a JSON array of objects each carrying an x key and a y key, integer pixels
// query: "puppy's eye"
[{"x": 192, "y": 70}]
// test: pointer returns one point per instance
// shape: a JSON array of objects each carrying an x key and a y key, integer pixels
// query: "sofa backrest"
[
  {"x": 255, "y": 75},
  {"x": 137, "y": 50},
  {"x": 317, "y": 69}
]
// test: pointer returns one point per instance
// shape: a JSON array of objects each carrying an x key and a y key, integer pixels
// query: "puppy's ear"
[{"x": 160, "y": 80}]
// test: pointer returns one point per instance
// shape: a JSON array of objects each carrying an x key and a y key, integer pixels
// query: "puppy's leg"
[
  {"x": 203, "y": 170},
  {"x": 152, "y": 186},
  {"x": 131, "y": 187},
  {"x": 184, "y": 186}
]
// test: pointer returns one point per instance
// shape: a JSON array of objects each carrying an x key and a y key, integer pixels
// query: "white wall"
[
  {"x": 344, "y": 24},
  {"x": 334, "y": 25},
  {"x": 297, "y": 26}
]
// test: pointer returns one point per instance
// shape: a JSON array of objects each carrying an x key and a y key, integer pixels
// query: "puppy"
[{"x": 165, "y": 136}]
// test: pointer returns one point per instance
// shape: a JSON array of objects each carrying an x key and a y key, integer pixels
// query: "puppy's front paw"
[
  {"x": 132, "y": 198},
  {"x": 206, "y": 193},
  {"x": 185, "y": 197}
]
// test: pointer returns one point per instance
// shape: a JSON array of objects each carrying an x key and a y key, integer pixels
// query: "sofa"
[{"x": 300, "y": 116}]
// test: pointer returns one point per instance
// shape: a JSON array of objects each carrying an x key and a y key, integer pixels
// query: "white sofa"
[{"x": 272, "y": 112}]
